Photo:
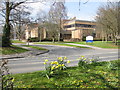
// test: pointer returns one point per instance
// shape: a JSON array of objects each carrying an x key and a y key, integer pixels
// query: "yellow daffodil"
[
  {"x": 55, "y": 62},
  {"x": 46, "y": 60},
  {"x": 57, "y": 67},
  {"x": 52, "y": 67},
  {"x": 81, "y": 81},
  {"x": 82, "y": 56},
  {"x": 13, "y": 80},
  {"x": 51, "y": 72},
  {"x": 74, "y": 82},
  {"x": 90, "y": 60},
  {"x": 65, "y": 57},
  {"x": 59, "y": 58},
  {"x": 51, "y": 62},
  {"x": 62, "y": 64},
  {"x": 68, "y": 61}
]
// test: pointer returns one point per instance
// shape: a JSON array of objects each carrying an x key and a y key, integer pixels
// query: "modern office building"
[{"x": 77, "y": 30}]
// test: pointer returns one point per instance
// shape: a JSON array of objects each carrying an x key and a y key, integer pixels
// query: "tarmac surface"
[{"x": 31, "y": 63}]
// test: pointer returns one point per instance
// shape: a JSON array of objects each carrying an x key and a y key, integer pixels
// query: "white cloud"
[
  {"x": 92, "y": 0},
  {"x": 37, "y": 7}
]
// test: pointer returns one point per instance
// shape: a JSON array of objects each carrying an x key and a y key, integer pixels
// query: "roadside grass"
[
  {"x": 12, "y": 50},
  {"x": 17, "y": 41},
  {"x": 100, "y": 44},
  {"x": 59, "y": 44},
  {"x": 97, "y": 76},
  {"x": 35, "y": 47}
]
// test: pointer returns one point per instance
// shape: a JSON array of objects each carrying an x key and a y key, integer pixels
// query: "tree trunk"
[
  {"x": 6, "y": 30},
  {"x": 58, "y": 36},
  {"x": 53, "y": 40}
]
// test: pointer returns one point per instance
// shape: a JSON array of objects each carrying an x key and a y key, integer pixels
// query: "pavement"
[
  {"x": 35, "y": 52},
  {"x": 29, "y": 53},
  {"x": 93, "y": 47}
]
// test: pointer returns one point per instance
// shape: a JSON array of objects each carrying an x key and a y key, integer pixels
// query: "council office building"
[{"x": 77, "y": 30}]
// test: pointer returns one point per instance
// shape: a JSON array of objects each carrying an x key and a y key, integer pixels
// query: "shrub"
[
  {"x": 55, "y": 67},
  {"x": 35, "y": 39}
]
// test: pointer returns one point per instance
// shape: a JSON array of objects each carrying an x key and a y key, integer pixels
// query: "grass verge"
[
  {"x": 35, "y": 47},
  {"x": 17, "y": 41},
  {"x": 60, "y": 44},
  {"x": 99, "y": 76},
  {"x": 99, "y": 44},
  {"x": 12, "y": 50}
]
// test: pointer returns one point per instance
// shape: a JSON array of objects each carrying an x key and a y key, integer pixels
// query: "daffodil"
[
  {"x": 59, "y": 58},
  {"x": 57, "y": 67},
  {"x": 65, "y": 57},
  {"x": 52, "y": 67},
  {"x": 63, "y": 65},
  {"x": 46, "y": 60},
  {"x": 51, "y": 72},
  {"x": 68, "y": 61},
  {"x": 81, "y": 81},
  {"x": 13, "y": 80},
  {"x": 83, "y": 56},
  {"x": 55, "y": 62}
]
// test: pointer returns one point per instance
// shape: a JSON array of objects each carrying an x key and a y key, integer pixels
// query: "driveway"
[{"x": 35, "y": 63}]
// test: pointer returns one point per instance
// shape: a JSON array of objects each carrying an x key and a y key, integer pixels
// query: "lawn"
[
  {"x": 12, "y": 50},
  {"x": 17, "y": 41},
  {"x": 98, "y": 44},
  {"x": 60, "y": 44},
  {"x": 35, "y": 47},
  {"x": 99, "y": 75}
]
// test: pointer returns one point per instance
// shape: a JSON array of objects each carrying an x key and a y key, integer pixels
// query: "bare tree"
[
  {"x": 57, "y": 13},
  {"x": 20, "y": 17},
  {"x": 107, "y": 19},
  {"x": 9, "y": 6}
]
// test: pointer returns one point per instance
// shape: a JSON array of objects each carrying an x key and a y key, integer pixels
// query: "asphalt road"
[{"x": 35, "y": 63}]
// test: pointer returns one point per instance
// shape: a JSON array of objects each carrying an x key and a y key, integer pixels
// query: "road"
[{"x": 35, "y": 63}]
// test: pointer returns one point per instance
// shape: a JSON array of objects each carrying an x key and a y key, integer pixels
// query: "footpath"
[
  {"x": 29, "y": 53},
  {"x": 93, "y": 47}
]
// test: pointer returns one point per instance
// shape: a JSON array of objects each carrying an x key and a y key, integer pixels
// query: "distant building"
[
  {"x": 32, "y": 31},
  {"x": 72, "y": 30},
  {"x": 76, "y": 30}
]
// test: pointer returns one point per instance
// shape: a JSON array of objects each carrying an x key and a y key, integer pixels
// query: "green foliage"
[
  {"x": 6, "y": 36},
  {"x": 113, "y": 65},
  {"x": 35, "y": 39},
  {"x": 6, "y": 78},
  {"x": 85, "y": 63}
]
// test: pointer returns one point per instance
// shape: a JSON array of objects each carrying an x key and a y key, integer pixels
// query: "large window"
[
  {"x": 84, "y": 25},
  {"x": 79, "y": 25}
]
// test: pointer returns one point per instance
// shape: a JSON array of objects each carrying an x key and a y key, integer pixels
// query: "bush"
[
  {"x": 97, "y": 39},
  {"x": 35, "y": 39}
]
